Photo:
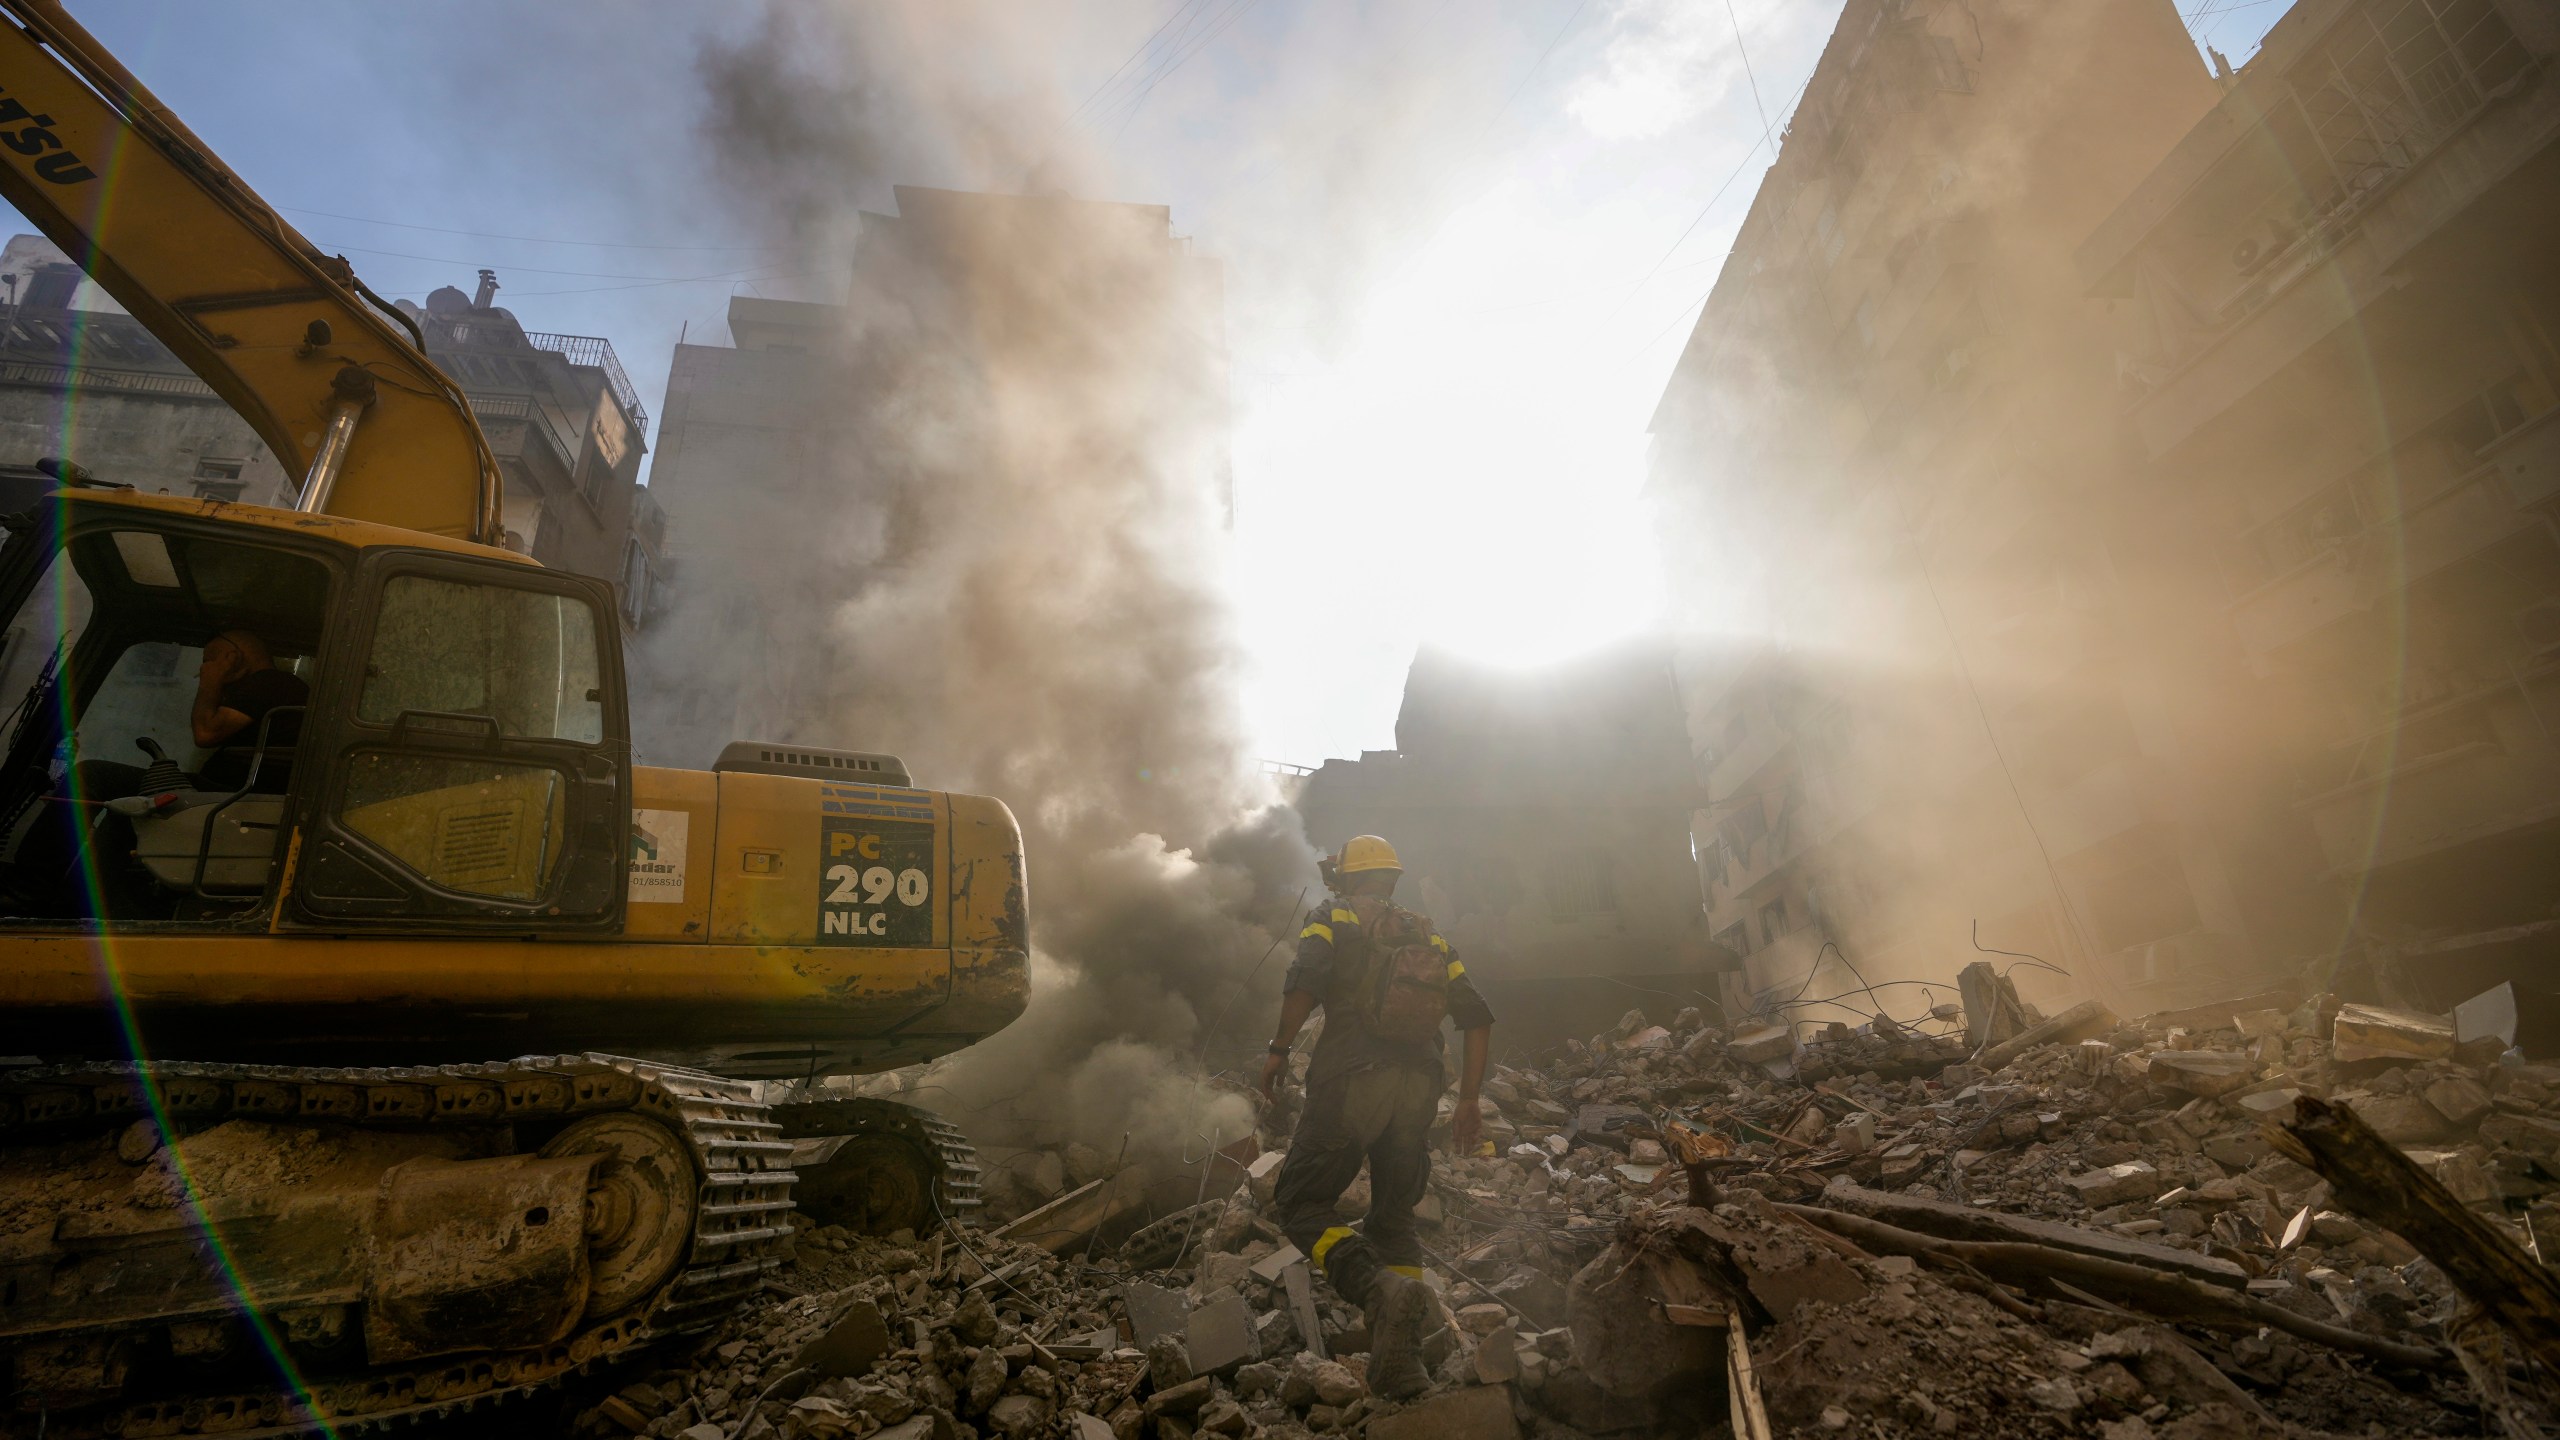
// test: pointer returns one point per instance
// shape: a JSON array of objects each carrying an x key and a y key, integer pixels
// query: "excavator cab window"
[
  {"x": 109, "y": 809},
  {"x": 478, "y": 753}
]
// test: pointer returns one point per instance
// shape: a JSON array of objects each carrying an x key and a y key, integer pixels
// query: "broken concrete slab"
[
  {"x": 2085, "y": 1021},
  {"x": 2115, "y": 1184},
  {"x": 1762, "y": 1044},
  {"x": 1855, "y": 1135},
  {"x": 1155, "y": 1312},
  {"x": 1992, "y": 1010},
  {"x": 1268, "y": 1268},
  {"x": 1302, "y": 1308},
  {"x": 2379, "y": 1032},
  {"x": 1220, "y": 1336},
  {"x": 848, "y": 1347},
  {"x": 2206, "y": 1074}
]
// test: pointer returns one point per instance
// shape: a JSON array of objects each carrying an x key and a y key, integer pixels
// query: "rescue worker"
[{"x": 1369, "y": 1099}]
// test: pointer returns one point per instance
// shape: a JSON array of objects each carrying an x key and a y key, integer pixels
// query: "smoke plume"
[{"x": 1007, "y": 540}]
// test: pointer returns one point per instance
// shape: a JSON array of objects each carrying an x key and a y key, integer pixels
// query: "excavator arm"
[{"x": 335, "y": 381}]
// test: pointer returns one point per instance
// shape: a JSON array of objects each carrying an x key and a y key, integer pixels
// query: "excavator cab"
[{"x": 461, "y": 760}]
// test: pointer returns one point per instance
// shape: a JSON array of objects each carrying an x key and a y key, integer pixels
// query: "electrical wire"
[
  {"x": 2021, "y": 956},
  {"x": 526, "y": 239}
]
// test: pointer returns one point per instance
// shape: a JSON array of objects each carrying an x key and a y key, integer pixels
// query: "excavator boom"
[{"x": 320, "y": 367}]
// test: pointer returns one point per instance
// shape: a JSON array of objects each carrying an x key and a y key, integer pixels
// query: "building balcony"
[
  {"x": 2347, "y": 573},
  {"x": 2360, "y": 132},
  {"x": 2462, "y": 768}
]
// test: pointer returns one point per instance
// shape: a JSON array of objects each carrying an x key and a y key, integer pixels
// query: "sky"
[{"x": 1463, "y": 240}]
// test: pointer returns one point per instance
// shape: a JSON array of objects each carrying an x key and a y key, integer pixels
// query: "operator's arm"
[
  {"x": 212, "y": 721},
  {"x": 1299, "y": 992},
  {"x": 1474, "y": 1019}
]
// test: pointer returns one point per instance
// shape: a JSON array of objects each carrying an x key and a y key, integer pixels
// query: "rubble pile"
[{"x": 2064, "y": 1226}]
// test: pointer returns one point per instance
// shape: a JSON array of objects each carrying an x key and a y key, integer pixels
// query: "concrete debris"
[
  {"x": 2079, "y": 1228},
  {"x": 2376, "y": 1032}
]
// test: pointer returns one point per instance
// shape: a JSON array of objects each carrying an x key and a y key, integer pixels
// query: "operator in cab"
[
  {"x": 1385, "y": 979},
  {"x": 237, "y": 686}
]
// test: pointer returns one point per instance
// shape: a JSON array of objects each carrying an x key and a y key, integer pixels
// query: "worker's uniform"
[{"x": 1369, "y": 1099}]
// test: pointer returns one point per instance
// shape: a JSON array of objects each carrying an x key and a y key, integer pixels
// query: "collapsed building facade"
[
  {"x": 1542, "y": 818},
  {"x": 2059, "y": 479}
]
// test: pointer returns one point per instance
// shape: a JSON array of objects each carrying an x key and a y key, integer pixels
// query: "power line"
[
  {"x": 1541, "y": 62},
  {"x": 1227, "y": 18},
  {"x": 528, "y": 239},
  {"x": 537, "y": 270},
  {"x": 1144, "y": 47}
]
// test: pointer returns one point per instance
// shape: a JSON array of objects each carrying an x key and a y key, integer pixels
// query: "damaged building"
[
  {"x": 1543, "y": 818},
  {"x": 2132, "y": 577},
  {"x": 2342, "y": 394},
  {"x": 817, "y": 420}
]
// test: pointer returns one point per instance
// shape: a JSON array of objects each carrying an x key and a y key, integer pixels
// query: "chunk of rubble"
[{"x": 2376, "y": 1032}]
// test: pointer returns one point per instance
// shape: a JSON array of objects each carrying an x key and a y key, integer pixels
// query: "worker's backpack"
[{"x": 1406, "y": 992}]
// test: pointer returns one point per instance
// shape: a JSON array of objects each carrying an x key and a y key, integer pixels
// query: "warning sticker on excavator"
[
  {"x": 657, "y": 856},
  {"x": 875, "y": 881}
]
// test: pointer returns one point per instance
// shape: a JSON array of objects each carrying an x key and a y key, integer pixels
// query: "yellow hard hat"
[{"x": 1368, "y": 852}]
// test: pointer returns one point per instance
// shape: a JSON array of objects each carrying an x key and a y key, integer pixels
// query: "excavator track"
[
  {"x": 740, "y": 1227},
  {"x": 879, "y": 1165}
]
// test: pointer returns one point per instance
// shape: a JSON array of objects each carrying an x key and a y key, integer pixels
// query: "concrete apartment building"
[
  {"x": 81, "y": 379},
  {"x": 982, "y": 339},
  {"x": 568, "y": 430},
  {"x": 2341, "y": 331},
  {"x": 1882, "y": 479},
  {"x": 1543, "y": 820},
  {"x": 2154, "y": 560}
]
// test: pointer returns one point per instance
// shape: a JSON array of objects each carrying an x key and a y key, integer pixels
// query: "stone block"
[
  {"x": 2459, "y": 1099},
  {"x": 849, "y": 1346},
  {"x": 2531, "y": 1134},
  {"x": 2238, "y": 1151},
  {"x": 2401, "y": 1119},
  {"x": 1855, "y": 1135},
  {"x": 2378, "y": 1032},
  {"x": 1762, "y": 1044},
  {"x": 1471, "y": 1412},
  {"x": 2116, "y": 1184},
  {"x": 2461, "y": 1175}
]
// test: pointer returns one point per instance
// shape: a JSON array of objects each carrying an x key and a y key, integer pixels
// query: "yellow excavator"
[{"x": 264, "y": 1165}]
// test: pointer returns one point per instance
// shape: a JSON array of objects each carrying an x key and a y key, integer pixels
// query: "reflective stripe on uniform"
[
  {"x": 1410, "y": 1272},
  {"x": 1345, "y": 917},
  {"x": 1456, "y": 968},
  {"x": 1318, "y": 928},
  {"x": 1439, "y": 944},
  {"x": 1328, "y": 1240}
]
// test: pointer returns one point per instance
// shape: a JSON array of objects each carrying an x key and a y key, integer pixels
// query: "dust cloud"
[{"x": 1007, "y": 546}]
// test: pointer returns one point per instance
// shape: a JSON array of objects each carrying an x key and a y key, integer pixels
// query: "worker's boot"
[{"x": 1399, "y": 1309}]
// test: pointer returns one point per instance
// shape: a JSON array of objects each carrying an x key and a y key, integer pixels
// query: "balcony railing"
[
  {"x": 589, "y": 350},
  {"x": 597, "y": 351}
]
